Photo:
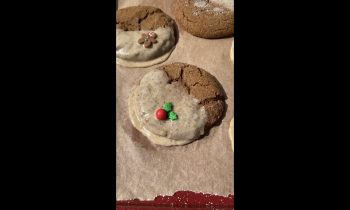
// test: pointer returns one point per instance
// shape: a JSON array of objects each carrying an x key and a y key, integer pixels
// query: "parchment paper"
[{"x": 144, "y": 170}]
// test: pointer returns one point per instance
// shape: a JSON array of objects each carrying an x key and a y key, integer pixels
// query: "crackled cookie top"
[
  {"x": 142, "y": 18},
  {"x": 145, "y": 36},
  {"x": 205, "y": 18},
  {"x": 192, "y": 98},
  {"x": 201, "y": 85}
]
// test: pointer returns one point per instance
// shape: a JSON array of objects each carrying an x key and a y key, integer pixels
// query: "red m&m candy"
[{"x": 161, "y": 114}]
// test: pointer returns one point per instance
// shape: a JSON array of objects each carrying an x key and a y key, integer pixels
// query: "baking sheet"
[{"x": 144, "y": 170}]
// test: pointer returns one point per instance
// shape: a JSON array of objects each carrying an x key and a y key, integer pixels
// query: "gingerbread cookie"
[
  {"x": 145, "y": 36},
  {"x": 175, "y": 104},
  {"x": 205, "y": 18}
]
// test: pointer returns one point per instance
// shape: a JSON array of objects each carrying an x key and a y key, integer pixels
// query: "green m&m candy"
[
  {"x": 172, "y": 116},
  {"x": 168, "y": 106}
]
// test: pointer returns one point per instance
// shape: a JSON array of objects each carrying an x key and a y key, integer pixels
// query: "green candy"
[
  {"x": 168, "y": 106},
  {"x": 172, "y": 116}
]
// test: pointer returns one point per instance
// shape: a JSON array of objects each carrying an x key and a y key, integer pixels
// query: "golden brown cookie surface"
[{"x": 204, "y": 18}]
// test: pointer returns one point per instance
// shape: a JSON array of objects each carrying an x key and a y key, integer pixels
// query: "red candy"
[{"x": 161, "y": 114}]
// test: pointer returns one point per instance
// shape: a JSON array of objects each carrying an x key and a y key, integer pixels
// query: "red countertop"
[{"x": 180, "y": 200}]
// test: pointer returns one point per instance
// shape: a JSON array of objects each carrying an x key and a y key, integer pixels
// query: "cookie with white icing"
[
  {"x": 192, "y": 100},
  {"x": 145, "y": 36},
  {"x": 205, "y": 18}
]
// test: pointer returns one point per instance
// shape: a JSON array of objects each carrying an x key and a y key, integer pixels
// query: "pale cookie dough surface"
[
  {"x": 231, "y": 132},
  {"x": 132, "y": 54},
  {"x": 153, "y": 91}
]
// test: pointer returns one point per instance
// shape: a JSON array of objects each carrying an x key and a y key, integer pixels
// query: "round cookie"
[
  {"x": 197, "y": 98},
  {"x": 231, "y": 132},
  {"x": 145, "y": 36},
  {"x": 205, "y": 18}
]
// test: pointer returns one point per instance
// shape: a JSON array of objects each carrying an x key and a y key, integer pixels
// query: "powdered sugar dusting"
[
  {"x": 200, "y": 3},
  {"x": 225, "y": 3},
  {"x": 205, "y": 6}
]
